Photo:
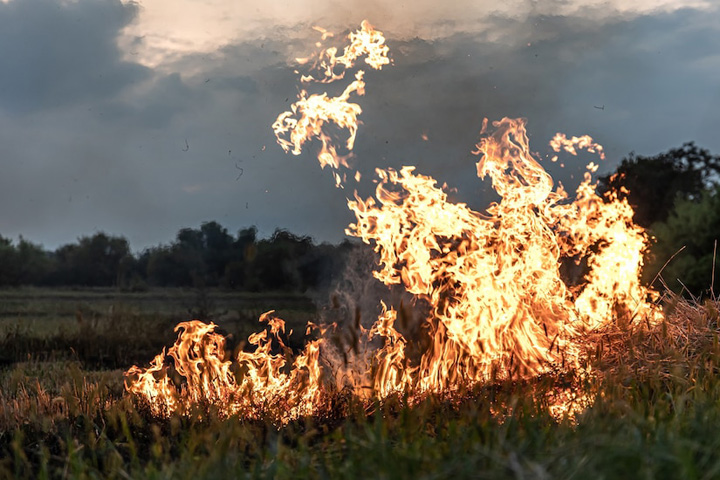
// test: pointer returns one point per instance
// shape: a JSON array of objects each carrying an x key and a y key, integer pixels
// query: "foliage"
[
  {"x": 24, "y": 263},
  {"x": 694, "y": 227},
  {"x": 652, "y": 184},
  {"x": 675, "y": 196},
  {"x": 208, "y": 256},
  {"x": 99, "y": 260}
]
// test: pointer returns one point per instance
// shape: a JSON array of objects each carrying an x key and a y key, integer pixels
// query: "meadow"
[{"x": 654, "y": 409}]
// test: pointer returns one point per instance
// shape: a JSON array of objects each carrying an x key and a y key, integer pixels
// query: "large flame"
[{"x": 502, "y": 304}]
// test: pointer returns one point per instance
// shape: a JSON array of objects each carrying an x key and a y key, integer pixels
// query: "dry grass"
[
  {"x": 686, "y": 339},
  {"x": 654, "y": 414}
]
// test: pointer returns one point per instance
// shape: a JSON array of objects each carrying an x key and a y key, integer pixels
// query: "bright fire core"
[{"x": 513, "y": 291}]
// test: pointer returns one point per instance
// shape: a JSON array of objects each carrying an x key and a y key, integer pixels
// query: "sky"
[{"x": 141, "y": 118}]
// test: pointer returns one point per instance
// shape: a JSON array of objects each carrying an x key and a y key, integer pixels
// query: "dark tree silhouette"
[
  {"x": 653, "y": 184},
  {"x": 198, "y": 257},
  {"x": 275, "y": 266},
  {"x": 244, "y": 251},
  {"x": 93, "y": 261}
]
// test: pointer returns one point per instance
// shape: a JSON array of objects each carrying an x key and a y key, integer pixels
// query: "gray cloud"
[
  {"x": 154, "y": 104},
  {"x": 85, "y": 154},
  {"x": 55, "y": 54},
  {"x": 645, "y": 72}
]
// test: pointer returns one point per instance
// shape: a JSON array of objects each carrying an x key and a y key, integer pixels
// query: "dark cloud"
[
  {"x": 111, "y": 154},
  {"x": 554, "y": 71},
  {"x": 57, "y": 53},
  {"x": 154, "y": 104}
]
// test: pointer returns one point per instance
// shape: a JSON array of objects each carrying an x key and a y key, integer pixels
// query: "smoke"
[
  {"x": 351, "y": 305},
  {"x": 354, "y": 299}
]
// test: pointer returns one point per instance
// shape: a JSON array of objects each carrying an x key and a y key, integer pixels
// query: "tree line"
[
  {"x": 675, "y": 195},
  {"x": 208, "y": 256}
]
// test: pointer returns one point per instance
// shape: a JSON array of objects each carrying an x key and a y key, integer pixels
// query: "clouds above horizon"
[
  {"x": 56, "y": 54},
  {"x": 93, "y": 134},
  {"x": 201, "y": 26}
]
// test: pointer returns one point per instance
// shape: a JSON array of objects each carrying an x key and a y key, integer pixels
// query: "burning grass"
[
  {"x": 499, "y": 305},
  {"x": 517, "y": 370},
  {"x": 684, "y": 344},
  {"x": 653, "y": 412}
]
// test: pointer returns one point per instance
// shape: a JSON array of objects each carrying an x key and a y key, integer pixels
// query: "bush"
[{"x": 694, "y": 227}]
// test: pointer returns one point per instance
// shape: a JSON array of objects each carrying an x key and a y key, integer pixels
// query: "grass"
[
  {"x": 64, "y": 414},
  {"x": 105, "y": 328}
]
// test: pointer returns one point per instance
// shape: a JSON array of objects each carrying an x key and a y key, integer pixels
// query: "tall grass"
[{"x": 655, "y": 414}]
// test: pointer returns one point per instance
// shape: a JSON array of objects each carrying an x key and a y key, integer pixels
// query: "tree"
[
  {"x": 202, "y": 257},
  {"x": 322, "y": 263},
  {"x": 275, "y": 267},
  {"x": 175, "y": 266},
  {"x": 35, "y": 264},
  {"x": 244, "y": 250},
  {"x": 93, "y": 261},
  {"x": 218, "y": 250},
  {"x": 695, "y": 225},
  {"x": 653, "y": 184},
  {"x": 9, "y": 263}
]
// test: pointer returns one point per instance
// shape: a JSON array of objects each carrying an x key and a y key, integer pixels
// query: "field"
[{"x": 64, "y": 413}]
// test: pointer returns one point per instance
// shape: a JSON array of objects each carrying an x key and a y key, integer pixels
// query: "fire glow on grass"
[{"x": 500, "y": 308}]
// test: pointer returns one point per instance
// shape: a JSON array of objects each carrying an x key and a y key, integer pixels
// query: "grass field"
[{"x": 64, "y": 413}]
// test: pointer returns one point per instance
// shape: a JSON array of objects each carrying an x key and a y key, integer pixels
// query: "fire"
[
  {"x": 308, "y": 117},
  {"x": 500, "y": 306},
  {"x": 502, "y": 302},
  {"x": 570, "y": 145},
  {"x": 246, "y": 386}
]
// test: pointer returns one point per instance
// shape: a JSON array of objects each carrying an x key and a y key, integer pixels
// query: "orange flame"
[
  {"x": 502, "y": 304},
  {"x": 366, "y": 41},
  {"x": 246, "y": 386},
  {"x": 308, "y": 117}
]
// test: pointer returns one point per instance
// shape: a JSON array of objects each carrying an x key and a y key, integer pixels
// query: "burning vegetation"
[{"x": 501, "y": 307}]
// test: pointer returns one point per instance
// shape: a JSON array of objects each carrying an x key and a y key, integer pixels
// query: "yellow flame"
[
  {"x": 366, "y": 42},
  {"x": 513, "y": 290},
  {"x": 244, "y": 386},
  {"x": 570, "y": 145},
  {"x": 309, "y": 116}
]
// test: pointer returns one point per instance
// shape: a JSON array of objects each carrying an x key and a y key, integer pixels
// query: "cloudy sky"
[{"x": 140, "y": 118}]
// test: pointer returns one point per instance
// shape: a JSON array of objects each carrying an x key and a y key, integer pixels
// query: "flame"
[
  {"x": 245, "y": 386},
  {"x": 500, "y": 306},
  {"x": 311, "y": 113},
  {"x": 367, "y": 41},
  {"x": 513, "y": 290},
  {"x": 570, "y": 145}
]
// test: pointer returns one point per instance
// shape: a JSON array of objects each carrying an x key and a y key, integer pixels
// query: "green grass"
[
  {"x": 106, "y": 328},
  {"x": 656, "y": 412},
  {"x": 638, "y": 430}
]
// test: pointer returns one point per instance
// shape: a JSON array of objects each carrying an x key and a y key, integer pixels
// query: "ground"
[{"x": 64, "y": 412}]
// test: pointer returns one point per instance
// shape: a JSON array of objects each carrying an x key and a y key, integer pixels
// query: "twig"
[
  {"x": 694, "y": 299},
  {"x": 712, "y": 280},
  {"x": 666, "y": 263}
]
